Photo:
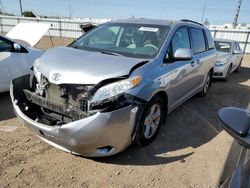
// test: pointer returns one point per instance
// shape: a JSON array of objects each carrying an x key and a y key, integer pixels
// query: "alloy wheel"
[{"x": 152, "y": 121}]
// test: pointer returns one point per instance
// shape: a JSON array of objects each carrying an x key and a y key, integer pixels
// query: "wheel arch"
[{"x": 164, "y": 96}]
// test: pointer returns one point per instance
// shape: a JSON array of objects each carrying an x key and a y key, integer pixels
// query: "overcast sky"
[{"x": 216, "y": 11}]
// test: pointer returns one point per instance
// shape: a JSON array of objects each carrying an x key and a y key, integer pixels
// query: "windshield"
[
  {"x": 131, "y": 40},
  {"x": 222, "y": 46}
]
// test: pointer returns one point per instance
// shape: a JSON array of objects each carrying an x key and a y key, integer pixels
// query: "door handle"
[
  {"x": 192, "y": 63},
  {"x": 198, "y": 62}
]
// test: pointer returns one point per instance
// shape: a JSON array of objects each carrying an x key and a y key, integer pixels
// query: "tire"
[
  {"x": 150, "y": 122},
  {"x": 239, "y": 66},
  {"x": 206, "y": 85},
  {"x": 228, "y": 73}
]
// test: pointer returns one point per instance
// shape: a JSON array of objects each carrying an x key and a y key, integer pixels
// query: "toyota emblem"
[{"x": 56, "y": 76}]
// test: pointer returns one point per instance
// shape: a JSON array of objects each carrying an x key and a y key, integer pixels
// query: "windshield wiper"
[{"x": 110, "y": 53}]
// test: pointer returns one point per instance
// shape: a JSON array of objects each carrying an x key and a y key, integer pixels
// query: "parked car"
[
  {"x": 229, "y": 59},
  {"x": 16, "y": 58},
  {"x": 115, "y": 84},
  {"x": 236, "y": 171}
]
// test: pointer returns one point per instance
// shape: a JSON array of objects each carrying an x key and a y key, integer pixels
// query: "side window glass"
[
  {"x": 235, "y": 46},
  {"x": 210, "y": 39},
  {"x": 105, "y": 38},
  {"x": 238, "y": 46},
  {"x": 180, "y": 39},
  {"x": 198, "y": 40},
  {"x": 4, "y": 46}
]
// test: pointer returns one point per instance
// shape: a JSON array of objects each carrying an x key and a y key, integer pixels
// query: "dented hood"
[
  {"x": 28, "y": 32},
  {"x": 65, "y": 65}
]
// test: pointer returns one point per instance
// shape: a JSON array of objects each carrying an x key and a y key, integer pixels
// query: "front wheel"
[
  {"x": 150, "y": 122},
  {"x": 228, "y": 73},
  {"x": 206, "y": 85},
  {"x": 239, "y": 66}
]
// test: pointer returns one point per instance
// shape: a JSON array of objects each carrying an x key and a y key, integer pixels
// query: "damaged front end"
[
  {"x": 59, "y": 104},
  {"x": 43, "y": 105}
]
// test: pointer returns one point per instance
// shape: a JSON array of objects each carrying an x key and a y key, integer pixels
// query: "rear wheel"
[
  {"x": 206, "y": 85},
  {"x": 150, "y": 122},
  {"x": 228, "y": 73}
]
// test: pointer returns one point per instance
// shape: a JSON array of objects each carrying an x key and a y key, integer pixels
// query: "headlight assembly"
[
  {"x": 115, "y": 89},
  {"x": 221, "y": 62}
]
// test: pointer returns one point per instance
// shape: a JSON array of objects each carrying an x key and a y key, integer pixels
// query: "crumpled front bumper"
[{"x": 101, "y": 134}]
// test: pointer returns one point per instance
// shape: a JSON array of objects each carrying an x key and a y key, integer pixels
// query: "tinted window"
[
  {"x": 210, "y": 39},
  {"x": 4, "y": 45},
  {"x": 198, "y": 40},
  {"x": 180, "y": 39}
]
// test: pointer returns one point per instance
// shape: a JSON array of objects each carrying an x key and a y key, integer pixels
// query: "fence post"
[
  {"x": 60, "y": 28},
  {"x": 215, "y": 33},
  {"x": 1, "y": 24},
  {"x": 246, "y": 42}
]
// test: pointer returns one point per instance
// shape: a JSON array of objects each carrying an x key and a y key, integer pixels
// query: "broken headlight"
[{"x": 115, "y": 89}]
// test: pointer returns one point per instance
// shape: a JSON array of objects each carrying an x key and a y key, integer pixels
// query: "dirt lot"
[{"x": 188, "y": 152}]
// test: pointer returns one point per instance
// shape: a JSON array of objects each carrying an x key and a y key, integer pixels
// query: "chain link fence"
[{"x": 71, "y": 28}]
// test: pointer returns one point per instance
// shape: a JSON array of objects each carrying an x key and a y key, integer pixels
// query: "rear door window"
[
  {"x": 198, "y": 40},
  {"x": 210, "y": 39}
]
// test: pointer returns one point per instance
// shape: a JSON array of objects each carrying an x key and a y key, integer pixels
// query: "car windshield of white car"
[
  {"x": 126, "y": 39},
  {"x": 222, "y": 46}
]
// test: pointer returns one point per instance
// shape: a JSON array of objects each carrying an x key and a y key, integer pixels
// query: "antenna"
[
  {"x": 1, "y": 7},
  {"x": 235, "y": 23},
  {"x": 71, "y": 11},
  {"x": 203, "y": 12}
]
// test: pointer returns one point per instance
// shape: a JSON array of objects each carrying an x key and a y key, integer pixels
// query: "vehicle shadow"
[
  {"x": 191, "y": 125},
  {"x": 6, "y": 109}
]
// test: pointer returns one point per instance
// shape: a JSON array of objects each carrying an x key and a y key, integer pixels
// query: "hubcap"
[
  {"x": 152, "y": 121},
  {"x": 207, "y": 83}
]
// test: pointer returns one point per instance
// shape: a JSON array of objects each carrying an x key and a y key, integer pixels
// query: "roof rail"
[{"x": 185, "y": 20}]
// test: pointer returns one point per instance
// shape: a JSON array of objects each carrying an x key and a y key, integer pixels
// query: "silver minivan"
[{"x": 114, "y": 85}]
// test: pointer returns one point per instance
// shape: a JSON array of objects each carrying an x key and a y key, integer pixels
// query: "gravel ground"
[{"x": 189, "y": 151}]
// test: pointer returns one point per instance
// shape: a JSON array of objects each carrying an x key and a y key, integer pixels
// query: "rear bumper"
[{"x": 101, "y": 134}]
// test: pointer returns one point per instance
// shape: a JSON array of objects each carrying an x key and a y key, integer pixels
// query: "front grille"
[
  {"x": 68, "y": 111},
  {"x": 218, "y": 74},
  {"x": 70, "y": 94}
]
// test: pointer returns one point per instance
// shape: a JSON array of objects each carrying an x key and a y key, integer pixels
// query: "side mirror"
[
  {"x": 237, "y": 52},
  {"x": 17, "y": 47},
  {"x": 166, "y": 58},
  {"x": 183, "y": 54},
  {"x": 236, "y": 122}
]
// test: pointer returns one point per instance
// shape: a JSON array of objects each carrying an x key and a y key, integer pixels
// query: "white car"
[
  {"x": 229, "y": 58},
  {"x": 17, "y": 59}
]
